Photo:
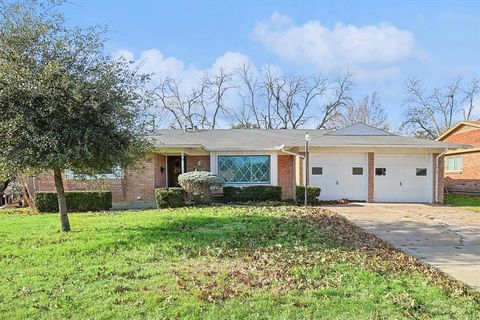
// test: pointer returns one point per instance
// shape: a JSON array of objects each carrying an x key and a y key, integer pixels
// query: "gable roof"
[
  {"x": 475, "y": 124},
  {"x": 358, "y": 135},
  {"x": 360, "y": 129}
]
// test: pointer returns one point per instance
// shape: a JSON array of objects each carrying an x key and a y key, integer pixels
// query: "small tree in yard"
[
  {"x": 200, "y": 183},
  {"x": 64, "y": 103}
]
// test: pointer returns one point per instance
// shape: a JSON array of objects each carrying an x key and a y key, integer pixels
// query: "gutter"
[
  {"x": 282, "y": 149},
  {"x": 437, "y": 160}
]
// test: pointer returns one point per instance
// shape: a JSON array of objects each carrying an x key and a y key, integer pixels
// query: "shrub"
[
  {"x": 252, "y": 193},
  {"x": 312, "y": 194},
  {"x": 170, "y": 197},
  {"x": 200, "y": 183},
  {"x": 79, "y": 201},
  {"x": 231, "y": 194}
]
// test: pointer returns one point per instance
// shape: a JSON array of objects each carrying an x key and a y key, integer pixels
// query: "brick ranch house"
[
  {"x": 462, "y": 166},
  {"x": 357, "y": 163}
]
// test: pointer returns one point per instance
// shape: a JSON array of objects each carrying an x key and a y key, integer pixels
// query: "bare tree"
[
  {"x": 217, "y": 85},
  {"x": 339, "y": 97},
  {"x": 249, "y": 99},
  {"x": 472, "y": 99},
  {"x": 291, "y": 97},
  {"x": 429, "y": 115},
  {"x": 369, "y": 110},
  {"x": 266, "y": 100},
  {"x": 187, "y": 110}
]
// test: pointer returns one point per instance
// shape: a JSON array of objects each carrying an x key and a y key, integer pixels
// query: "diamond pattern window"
[{"x": 244, "y": 169}]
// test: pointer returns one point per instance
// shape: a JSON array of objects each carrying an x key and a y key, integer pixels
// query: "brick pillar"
[
  {"x": 371, "y": 177},
  {"x": 441, "y": 178},
  {"x": 286, "y": 175}
]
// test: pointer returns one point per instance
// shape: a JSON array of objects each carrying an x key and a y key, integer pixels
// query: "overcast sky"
[{"x": 381, "y": 42}]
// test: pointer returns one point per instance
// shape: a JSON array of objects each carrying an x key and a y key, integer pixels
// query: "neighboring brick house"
[
  {"x": 356, "y": 163},
  {"x": 462, "y": 166}
]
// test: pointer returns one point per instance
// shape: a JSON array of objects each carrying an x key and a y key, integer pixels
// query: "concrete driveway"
[{"x": 446, "y": 238}]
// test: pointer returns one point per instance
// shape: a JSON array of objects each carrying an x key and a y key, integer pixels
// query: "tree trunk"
[
  {"x": 3, "y": 186},
  {"x": 62, "y": 202}
]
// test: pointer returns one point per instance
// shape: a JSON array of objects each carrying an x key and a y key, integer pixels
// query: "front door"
[{"x": 174, "y": 169}]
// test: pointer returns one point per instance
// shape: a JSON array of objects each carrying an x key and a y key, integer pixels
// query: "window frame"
[
  {"x": 455, "y": 169},
  {"x": 417, "y": 170},
  {"x": 384, "y": 172},
  {"x": 117, "y": 174},
  {"x": 269, "y": 157},
  {"x": 357, "y": 174}
]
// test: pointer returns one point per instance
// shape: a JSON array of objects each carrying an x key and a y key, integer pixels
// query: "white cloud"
[
  {"x": 230, "y": 61},
  {"x": 360, "y": 49},
  {"x": 125, "y": 54},
  {"x": 154, "y": 62}
]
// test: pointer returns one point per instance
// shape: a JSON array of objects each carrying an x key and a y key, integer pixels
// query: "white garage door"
[
  {"x": 340, "y": 176},
  {"x": 403, "y": 178}
]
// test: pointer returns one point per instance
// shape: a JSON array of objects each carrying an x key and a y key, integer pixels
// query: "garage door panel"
[
  {"x": 337, "y": 181},
  {"x": 401, "y": 183}
]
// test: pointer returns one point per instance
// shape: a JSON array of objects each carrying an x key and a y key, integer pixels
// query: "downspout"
[
  {"x": 437, "y": 160},
  {"x": 291, "y": 153},
  {"x": 282, "y": 149}
]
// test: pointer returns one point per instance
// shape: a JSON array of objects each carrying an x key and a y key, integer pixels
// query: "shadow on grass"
[{"x": 193, "y": 234}]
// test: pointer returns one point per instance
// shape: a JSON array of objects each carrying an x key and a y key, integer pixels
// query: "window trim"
[
  {"x": 454, "y": 170},
  {"x": 269, "y": 157}
]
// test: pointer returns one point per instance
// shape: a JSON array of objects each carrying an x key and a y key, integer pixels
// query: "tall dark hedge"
[
  {"x": 312, "y": 194},
  {"x": 77, "y": 201},
  {"x": 252, "y": 193}
]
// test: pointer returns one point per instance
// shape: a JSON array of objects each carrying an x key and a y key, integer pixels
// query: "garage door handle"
[
  {"x": 337, "y": 183},
  {"x": 401, "y": 184}
]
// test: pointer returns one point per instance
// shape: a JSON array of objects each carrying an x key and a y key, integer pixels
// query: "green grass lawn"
[
  {"x": 465, "y": 202},
  {"x": 214, "y": 263}
]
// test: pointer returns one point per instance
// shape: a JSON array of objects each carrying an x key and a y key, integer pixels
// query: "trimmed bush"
[
  {"x": 170, "y": 197},
  {"x": 252, "y": 193},
  {"x": 312, "y": 194},
  {"x": 231, "y": 194},
  {"x": 200, "y": 184},
  {"x": 77, "y": 201}
]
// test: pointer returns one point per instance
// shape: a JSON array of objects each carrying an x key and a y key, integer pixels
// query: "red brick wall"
[
  {"x": 139, "y": 182},
  {"x": 286, "y": 175},
  {"x": 136, "y": 188},
  {"x": 138, "y": 185},
  {"x": 467, "y": 181},
  {"x": 466, "y": 137},
  {"x": 371, "y": 177},
  {"x": 160, "y": 169},
  {"x": 199, "y": 163}
]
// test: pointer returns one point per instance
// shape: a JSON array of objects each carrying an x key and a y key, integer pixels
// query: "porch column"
[
  {"x": 183, "y": 163},
  {"x": 166, "y": 171}
]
